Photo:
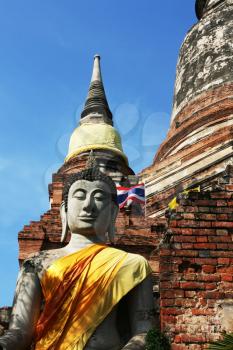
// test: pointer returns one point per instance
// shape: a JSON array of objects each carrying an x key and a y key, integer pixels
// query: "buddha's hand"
[{"x": 136, "y": 343}]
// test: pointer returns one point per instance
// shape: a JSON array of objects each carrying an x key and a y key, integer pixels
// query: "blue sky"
[{"x": 46, "y": 57}]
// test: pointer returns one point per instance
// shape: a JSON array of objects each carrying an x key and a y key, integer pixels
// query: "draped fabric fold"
[{"x": 80, "y": 290}]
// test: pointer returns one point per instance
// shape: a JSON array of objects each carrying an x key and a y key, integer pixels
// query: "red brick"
[
  {"x": 165, "y": 252},
  {"x": 202, "y": 312},
  {"x": 222, "y": 224},
  {"x": 187, "y": 223},
  {"x": 191, "y": 209},
  {"x": 171, "y": 294},
  {"x": 202, "y": 239},
  {"x": 185, "y": 303},
  {"x": 220, "y": 195},
  {"x": 189, "y": 294},
  {"x": 222, "y": 246},
  {"x": 168, "y": 319},
  {"x": 206, "y": 216},
  {"x": 204, "y": 209},
  {"x": 187, "y": 231},
  {"x": 187, "y": 245},
  {"x": 225, "y": 269},
  {"x": 177, "y": 339},
  {"x": 221, "y": 210},
  {"x": 205, "y": 246},
  {"x": 222, "y": 217},
  {"x": 179, "y": 347},
  {"x": 171, "y": 311},
  {"x": 173, "y": 223},
  {"x": 192, "y": 285},
  {"x": 208, "y": 278},
  {"x": 224, "y": 254},
  {"x": 210, "y": 286},
  {"x": 208, "y": 268},
  {"x": 204, "y": 223},
  {"x": 204, "y": 231},
  {"x": 184, "y": 239},
  {"x": 220, "y": 239},
  {"x": 206, "y": 261},
  {"x": 188, "y": 216},
  {"x": 176, "y": 246},
  {"x": 227, "y": 278},
  {"x": 196, "y": 347},
  {"x": 182, "y": 231},
  {"x": 167, "y": 302},
  {"x": 165, "y": 285},
  {"x": 188, "y": 253},
  {"x": 224, "y": 261},
  {"x": 225, "y": 285},
  {"x": 185, "y": 338},
  {"x": 205, "y": 203}
]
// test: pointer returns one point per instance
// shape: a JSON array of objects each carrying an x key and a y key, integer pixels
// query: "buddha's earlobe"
[
  {"x": 63, "y": 221},
  {"x": 111, "y": 229}
]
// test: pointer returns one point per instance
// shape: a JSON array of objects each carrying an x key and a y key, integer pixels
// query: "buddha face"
[{"x": 89, "y": 209}]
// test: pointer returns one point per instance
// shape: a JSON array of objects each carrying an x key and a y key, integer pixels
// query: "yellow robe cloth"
[{"x": 80, "y": 290}]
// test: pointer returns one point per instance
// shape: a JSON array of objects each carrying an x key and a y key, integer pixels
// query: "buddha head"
[{"x": 89, "y": 206}]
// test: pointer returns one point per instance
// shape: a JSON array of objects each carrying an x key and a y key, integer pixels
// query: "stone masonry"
[{"x": 196, "y": 271}]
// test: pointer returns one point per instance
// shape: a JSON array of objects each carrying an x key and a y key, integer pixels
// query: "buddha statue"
[{"x": 87, "y": 295}]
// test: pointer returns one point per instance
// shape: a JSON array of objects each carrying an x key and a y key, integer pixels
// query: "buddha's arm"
[
  {"x": 141, "y": 312},
  {"x": 25, "y": 313}
]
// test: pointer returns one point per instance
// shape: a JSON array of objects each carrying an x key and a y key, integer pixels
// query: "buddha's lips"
[{"x": 87, "y": 217}]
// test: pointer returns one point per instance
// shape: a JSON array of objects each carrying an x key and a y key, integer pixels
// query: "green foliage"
[
  {"x": 225, "y": 344},
  {"x": 155, "y": 340}
]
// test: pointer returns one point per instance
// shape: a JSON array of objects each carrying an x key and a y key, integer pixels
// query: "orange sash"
[{"x": 80, "y": 290}]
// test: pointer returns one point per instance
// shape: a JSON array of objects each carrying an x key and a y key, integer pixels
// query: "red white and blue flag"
[{"x": 126, "y": 195}]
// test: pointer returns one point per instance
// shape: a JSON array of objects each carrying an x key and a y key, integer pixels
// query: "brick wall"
[{"x": 196, "y": 271}]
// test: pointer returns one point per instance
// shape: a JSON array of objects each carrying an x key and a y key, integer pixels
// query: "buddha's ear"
[
  {"x": 63, "y": 221},
  {"x": 111, "y": 229}
]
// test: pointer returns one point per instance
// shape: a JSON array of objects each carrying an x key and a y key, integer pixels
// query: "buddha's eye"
[
  {"x": 99, "y": 196},
  {"x": 79, "y": 194}
]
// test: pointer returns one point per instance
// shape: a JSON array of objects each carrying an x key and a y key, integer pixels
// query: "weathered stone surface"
[
  {"x": 204, "y": 6},
  {"x": 205, "y": 56}
]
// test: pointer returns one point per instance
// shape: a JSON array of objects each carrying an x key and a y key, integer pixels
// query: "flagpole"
[{"x": 145, "y": 199}]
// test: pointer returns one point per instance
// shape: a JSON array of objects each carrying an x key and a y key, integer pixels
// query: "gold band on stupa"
[{"x": 100, "y": 136}]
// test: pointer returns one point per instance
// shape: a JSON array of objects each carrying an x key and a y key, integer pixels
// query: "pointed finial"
[
  {"x": 96, "y": 74},
  {"x": 96, "y": 101}
]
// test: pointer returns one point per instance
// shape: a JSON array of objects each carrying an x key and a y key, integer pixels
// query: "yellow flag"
[{"x": 174, "y": 204}]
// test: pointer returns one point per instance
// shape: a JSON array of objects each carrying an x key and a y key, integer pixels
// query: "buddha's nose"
[{"x": 88, "y": 204}]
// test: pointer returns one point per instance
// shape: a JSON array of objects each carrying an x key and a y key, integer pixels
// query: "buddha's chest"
[{"x": 106, "y": 335}]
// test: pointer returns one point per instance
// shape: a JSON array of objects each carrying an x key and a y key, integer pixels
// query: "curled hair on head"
[{"x": 90, "y": 174}]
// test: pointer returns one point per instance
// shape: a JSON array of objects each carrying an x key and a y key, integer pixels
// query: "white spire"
[{"x": 96, "y": 74}]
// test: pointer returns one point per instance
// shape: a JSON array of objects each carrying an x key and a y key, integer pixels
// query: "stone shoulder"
[{"x": 39, "y": 261}]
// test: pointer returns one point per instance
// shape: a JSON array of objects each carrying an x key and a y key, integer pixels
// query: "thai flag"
[{"x": 126, "y": 195}]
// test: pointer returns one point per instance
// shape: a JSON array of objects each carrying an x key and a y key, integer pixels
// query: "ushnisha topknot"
[{"x": 90, "y": 174}]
